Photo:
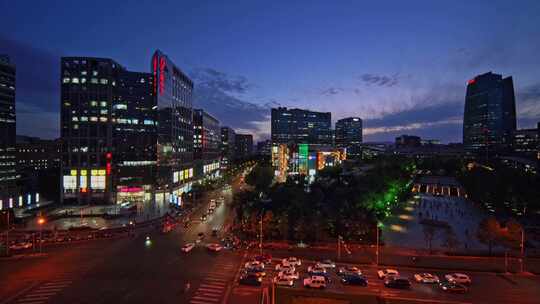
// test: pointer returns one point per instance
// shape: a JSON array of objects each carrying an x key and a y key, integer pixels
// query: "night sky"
[{"x": 402, "y": 66}]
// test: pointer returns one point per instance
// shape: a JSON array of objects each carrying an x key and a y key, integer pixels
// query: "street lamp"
[
  {"x": 41, "y": 221},
  {"x": 379, "y": 226}
]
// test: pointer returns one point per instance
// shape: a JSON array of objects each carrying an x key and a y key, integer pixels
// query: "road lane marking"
[
  {"x": 212, "y": 299},
  {"x": 220, "y": 291}
]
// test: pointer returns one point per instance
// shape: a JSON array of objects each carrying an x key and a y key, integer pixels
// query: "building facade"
[
  {"x": 296, "y": 126},
  {"x": 349, "y": 135},
  {"x": 173, "y": 91},
  {"x": 526, "y": 142},
  {"x": 243, "y": 145},
  {"x": 9, "y": 192},
  {"x": 228, "y": 147},
  {"x": 264, "y": 148},
  {"x": 408, "y": 141},
  {"x": 206, "y": 144},
  {"x": 490, "y": 114}
]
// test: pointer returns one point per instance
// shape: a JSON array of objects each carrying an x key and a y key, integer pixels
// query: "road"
[{"x": 128, "y": 270}]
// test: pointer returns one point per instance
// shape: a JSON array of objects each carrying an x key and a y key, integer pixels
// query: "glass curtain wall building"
[{"x": 349, "y": 136}]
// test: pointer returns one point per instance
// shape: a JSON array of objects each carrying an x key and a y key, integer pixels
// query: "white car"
[
  {"x": 426, "y": 278},
  {"x": 385, "y": 273},
  {"x": 315, "y": 282},
  {"x": 188, "y": 247},
  {"x": 326, "y": 264},
  {"x": 459, "y": 278},
  {"x": 284, "y": 267},
  {"x": 289, "y": 275},
  {"x": 253, "y": 264},
  {"x": 349, "y": 269},
  {"x": 316, "y": 269},
  {"x": 292, "y": 261},
  {"x": 20, "y": 246},
  {"x": 282, "y": 281},
  {"x": 214, "y": 247}
]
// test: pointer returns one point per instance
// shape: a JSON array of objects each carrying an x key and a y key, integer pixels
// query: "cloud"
[
  {"x": 209, "y": 77},
  {"x": 332, "y": 91},
  {"x": 259, "y": 129},
  {"x": 379, "y": 80}
]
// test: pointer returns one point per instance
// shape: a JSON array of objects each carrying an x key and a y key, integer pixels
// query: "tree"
[
  {"x": 488, "y": 231},
  {"x": 260, "y": 178}
]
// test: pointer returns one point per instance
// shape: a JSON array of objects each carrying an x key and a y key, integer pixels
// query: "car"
[
  {"x": 326, "y": 264},
  {"x": 214, "y": 247},
  {"x": 293, "y": 261},
  {"x": 21, "y": 246},
  {"x": 313, "y": 270},
  {"x": 188, "y": 247},
  {"x": 453, "y": 287},
  {"x": 256, "y": 271},
  {"x": 426, "y": 278},
  {"x": 289, "y": 274},
  {"x": 354, "y": 279},
  {"x": 349, "y": 270},
  {"x": 255, "y": 263},
  {"x": 250, "y": 279},
  {"x": 397, "y": 282},
  {"x": 384, "y": 273},
  {"x": 315, "y": 282},
  {"x": 283, "y": 281},
  {"x": 265, "y": 258},
  {"x": 280, "y": 267},
  {"x": 459, "y": 278}
]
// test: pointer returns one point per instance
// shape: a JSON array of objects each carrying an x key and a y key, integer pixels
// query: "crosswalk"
[
  {"x": 213, "y": 287},
  {"x": 43, "y": 292}
]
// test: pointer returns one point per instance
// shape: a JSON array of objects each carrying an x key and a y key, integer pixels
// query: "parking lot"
[{"x": 484, "y": 288}]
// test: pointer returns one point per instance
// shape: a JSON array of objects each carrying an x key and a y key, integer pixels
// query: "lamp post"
[
  {"x": 522, "y": 247},
  {"x": 41, "y": 221},
  {"x": 379, "y": 225}
]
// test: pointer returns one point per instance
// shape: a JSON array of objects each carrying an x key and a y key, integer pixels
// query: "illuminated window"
[
  {"x": 83, "y": 73},
  {"x": 94, "y": 80},
  {"x": 103, "y": 103},
  {"x": 103, "y": 119},
  {"x": 83, "y": 80},
  {"x": 70, "y": 182},
  {"x": 93, "y": 118},
  {"x": 84, "y": 118},
  {"x": 66, "y": 80},
  {"x": 75, "y": 80},
  {"x": 93, "y": 103},
  {"x": 103, "y": 111},
  {"x": 120, "y": 106},
  {"x": 104, "y": 81},
  {"x": 74, "y": 118}
]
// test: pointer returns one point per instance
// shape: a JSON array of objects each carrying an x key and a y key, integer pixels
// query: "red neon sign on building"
[
  {"x": 155, "y": 68},
  {"x": 162, "y": 65},
  {"x": 471, "y": 81}
]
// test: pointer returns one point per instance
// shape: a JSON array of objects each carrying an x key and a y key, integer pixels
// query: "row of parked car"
[{"x": 318, "y": 275}]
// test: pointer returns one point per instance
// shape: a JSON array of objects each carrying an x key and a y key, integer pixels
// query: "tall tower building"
[
  {"x": 206, "y": 143},
  {"x": 490, "y": 114},
  {"x": 244, "y": 145},
  {"x": 297, "y": 126},
  {"x": 173, "y": 91},
  {"x": 8, "y": 164},
  {"x": 349, "y": 136},
  {"x": 228, "y": 147}
]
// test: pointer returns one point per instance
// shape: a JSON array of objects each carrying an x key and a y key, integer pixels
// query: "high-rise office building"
[
  {"x": 206, "y": 143},
  {"x": 244, "y": 145},
  {"x": 490, "y": 114},
  {"x": 108, "y": 131},
  {"x": 173, "y": 91},
  {"x": 296, "y": 126},
  {"x": 9, "y": 191},
  {"x": 264, "y": 147},
  {"x": 526, "y": 142},
  {"x": 228, "y": 147},
  {"x": 408, "y": 141},
  {"x": 349, "y": 136}
]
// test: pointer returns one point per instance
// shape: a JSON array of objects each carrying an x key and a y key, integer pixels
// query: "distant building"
[
  {"x": 526, "y": 142},
  {"x": 348, "y": 135},
  {"x": 244, "y": 145},
  {"x": 36, "y": 154},
  {"x": 228, "y": 147},
  {"x": 408, "y": 141},
  {"x": 9, "y": 192},
  {"x": 490, "y": 114},
  {"x": 206, "y": 143},
  {"x": 264, "y": 147},
  {"x": 296, "y": 126},
  {"x": 430, "y": 142}
]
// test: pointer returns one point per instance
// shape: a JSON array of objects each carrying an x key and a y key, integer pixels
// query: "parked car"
[
  {"x": 21, "y": 246},
  {"x": 254, "y": 263},
  {"x": 292, "y": 261},
  {"x": 283, "y": 281},
  {"x": 187, "y": 247},
  {"x": 385, "y": 273},
  {"x": 315, "y": 282},
  {"x": 349, "y": 270},
  {"x": 326, "y": 264},
  {"x": 397, "y": 282},
  {"x": 453, "y": 287},
  {"x": 426, "y": 278},
  {"x": 250, "y": 279},
  {"x": 459, "y": 278},
  {"x": 354, "y": 279},
  {"x": 289, "y": 274},
  {"x": 316, "y": 270}
]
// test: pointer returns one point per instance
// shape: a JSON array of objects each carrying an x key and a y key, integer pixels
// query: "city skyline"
[{"x": 348, "y": 60}]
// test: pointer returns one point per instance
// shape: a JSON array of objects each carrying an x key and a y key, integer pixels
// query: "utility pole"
[
  {"x": 377, "y": 249},
  {"x": 261, "y": 234},
  {"x": 522, "y": 247}
]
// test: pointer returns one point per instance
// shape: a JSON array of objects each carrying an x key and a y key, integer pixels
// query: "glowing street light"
[{"x": 41, "y": 222}]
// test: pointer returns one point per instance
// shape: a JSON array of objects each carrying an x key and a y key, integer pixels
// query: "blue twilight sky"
[{"x": 402, "y": 66}]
